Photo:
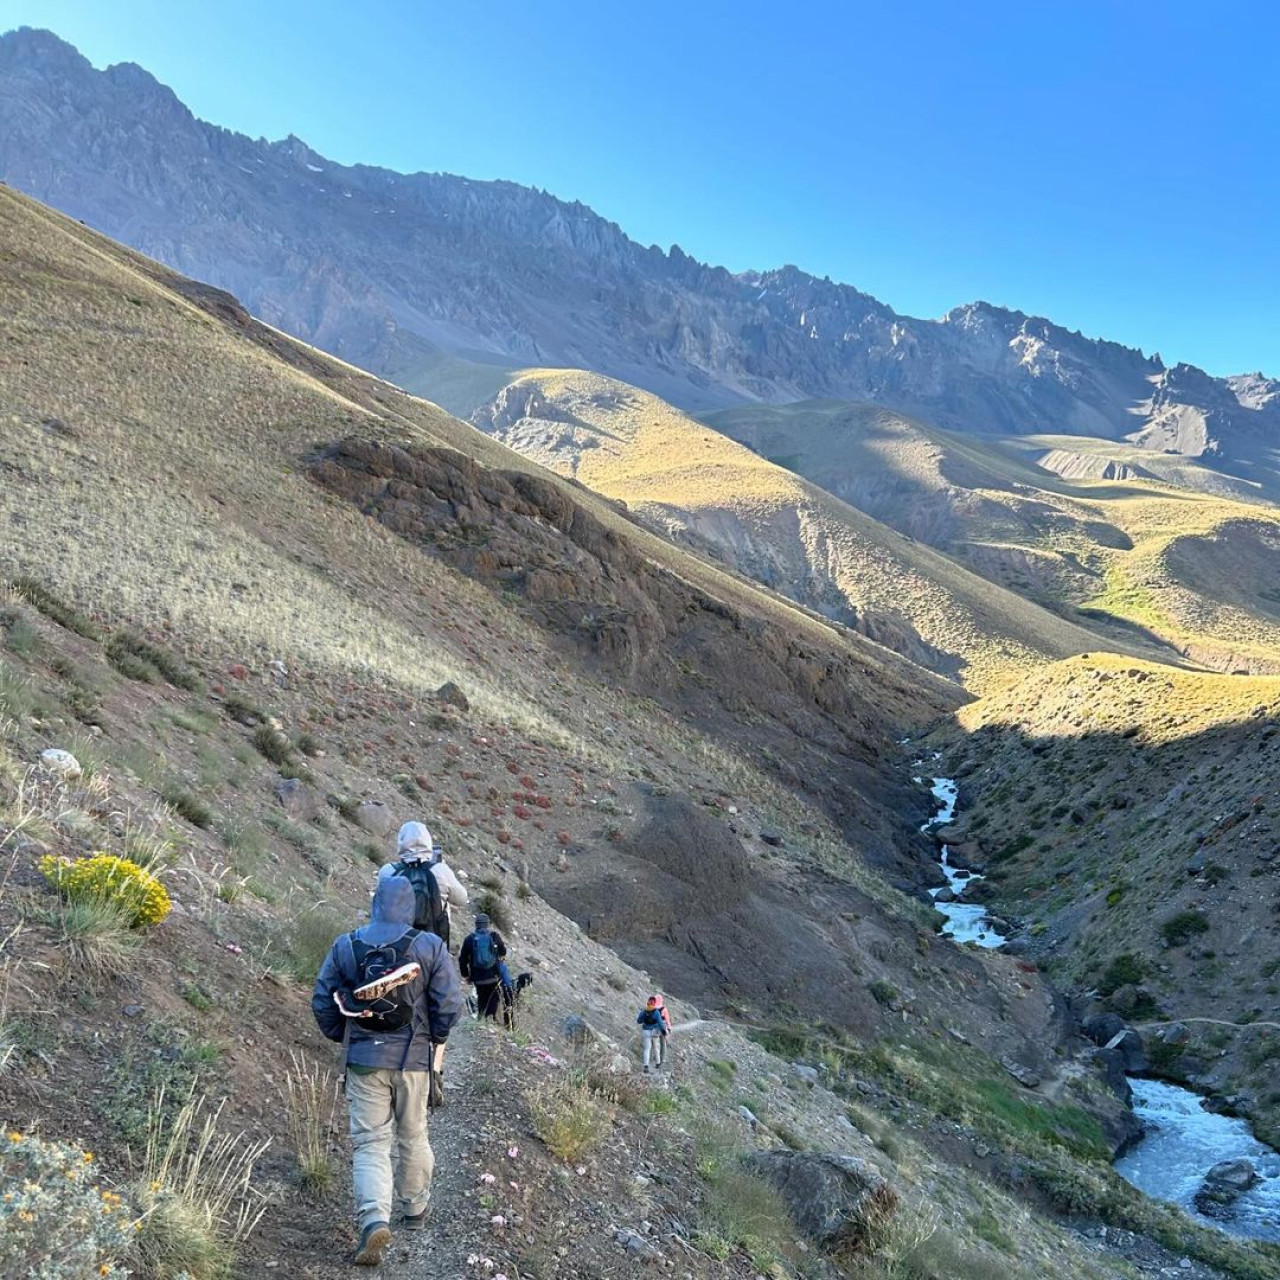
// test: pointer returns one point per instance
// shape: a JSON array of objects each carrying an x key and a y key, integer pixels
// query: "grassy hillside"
[
  {"x": 1121, "y": 539},
  {"x": 235, "y": 574},
  {"x": 706, "y": 490}
]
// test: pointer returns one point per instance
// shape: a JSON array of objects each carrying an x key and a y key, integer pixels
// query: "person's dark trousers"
[{"x": 489, "y": 998}]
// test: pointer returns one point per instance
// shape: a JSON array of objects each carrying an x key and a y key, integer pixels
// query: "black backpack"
[
  {"x": 394, "y": 1010},
  {"x": 429, "y": 912}
]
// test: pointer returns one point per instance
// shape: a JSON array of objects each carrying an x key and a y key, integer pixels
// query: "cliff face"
[{"x": 390, "y": 270}]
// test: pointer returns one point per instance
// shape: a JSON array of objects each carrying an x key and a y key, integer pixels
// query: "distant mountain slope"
[
  {"x": 1147, "y": 540},
  {"x": 393, "y": 272},
  {"x": 707, "y": 491}
]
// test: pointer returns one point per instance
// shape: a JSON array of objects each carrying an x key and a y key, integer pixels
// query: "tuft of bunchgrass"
[
  {"x": 313, "y": 933},
  {"x": 495, "y": 906},
  {"x": 97, "y": 937},
  {"x": 568, "y": 1117},
  {"x": 195, "y": 1190},
  {"x": 310, "y": 1097}
]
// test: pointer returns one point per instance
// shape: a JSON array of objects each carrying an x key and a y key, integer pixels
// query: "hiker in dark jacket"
[
  {"x": 388, "y": 1071},
  {"x": 482, "y": 953}
]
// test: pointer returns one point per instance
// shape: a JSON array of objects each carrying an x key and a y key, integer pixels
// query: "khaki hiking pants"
[{"x": 389, "y": 1109}]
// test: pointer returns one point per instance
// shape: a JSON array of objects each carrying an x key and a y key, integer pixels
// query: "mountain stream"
[
  {"x": 1183, "y": 1141},
  {"x": 966, "y": 921}
]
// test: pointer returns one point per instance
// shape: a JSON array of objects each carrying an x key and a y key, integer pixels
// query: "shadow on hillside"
[{"x": 1155, "y": 843}]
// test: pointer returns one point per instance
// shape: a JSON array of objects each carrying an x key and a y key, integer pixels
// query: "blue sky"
[{"x": 1111, "y": 165}]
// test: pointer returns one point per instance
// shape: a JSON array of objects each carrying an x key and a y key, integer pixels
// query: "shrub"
[
  {"x": 55, "y": 1220},
  {"x": 195, "y": 1193},
  {"x": 139, "y": 659},
  {"x": 104, "y": 878},
  {"x": 273, "y": 744},
  {"x": 1181, "y": 927},
  {"x": 36, "y": 594},
  {"x": 186, "y": 805},
  {"x": 568, "y": 1118},
  {"x": 884, "y": 993},
  {"x": 495, "y": 907},
  {"x": 1125, "y": 970}
]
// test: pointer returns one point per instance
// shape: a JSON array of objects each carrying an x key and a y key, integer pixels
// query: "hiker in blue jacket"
[
  {"x": 482, "y": 953},
  {"x": 388, "y": 1071},
  {"x": 653, "y": 1023}
]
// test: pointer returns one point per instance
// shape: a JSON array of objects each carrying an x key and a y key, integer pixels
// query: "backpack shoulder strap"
[{"x": 349, "y": 939}]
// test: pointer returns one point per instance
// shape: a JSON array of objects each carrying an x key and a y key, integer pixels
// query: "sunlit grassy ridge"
[
  {"x": 1164, "y": 543},
  {"x": 769, "y": 522}
]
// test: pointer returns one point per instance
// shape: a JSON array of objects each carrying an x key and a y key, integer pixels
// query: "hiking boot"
[
  {"x": 416, "y": 1221},
  {"x": 373, "y": 1244}
]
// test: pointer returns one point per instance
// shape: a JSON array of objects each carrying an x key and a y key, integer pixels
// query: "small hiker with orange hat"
[{"x": 654, "y": 1026}]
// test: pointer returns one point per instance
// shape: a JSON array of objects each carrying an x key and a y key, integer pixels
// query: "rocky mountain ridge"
[{"x": 390, "y": 271}]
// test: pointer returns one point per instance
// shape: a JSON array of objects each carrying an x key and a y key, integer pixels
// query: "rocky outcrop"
[
  {"x": 589, "y": 584},
  {"x": 387, "y": 270},
  {"x": 838, "y": 1201}
]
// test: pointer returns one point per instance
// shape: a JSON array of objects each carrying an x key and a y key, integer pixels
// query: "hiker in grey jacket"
[
  {"x": 388, "y": 1071},
  {"x": 416, "y": 844}
]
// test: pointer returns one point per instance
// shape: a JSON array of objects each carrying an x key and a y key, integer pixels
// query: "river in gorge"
[{"x": 1183, "y": 1141}]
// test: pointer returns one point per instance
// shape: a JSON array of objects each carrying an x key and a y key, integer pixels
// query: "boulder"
[
  {"x": 945, "y": 895},
  {"x": 579, "y": 1032},
  {"x": 1223, "y": 1185},
  {"x": 451, "y": 695},
  {"x": 1125, "y": 999},
  {"x": 61, "y": 763},
  {"x": 1025, "y": 1076},
  {"x": 836, "y": 1200},
  {"x": 296, "y": 799},
  {"x": 374, "y": 817},
  {"x": 771, "y": 838},
  {"x": 1110, "y": 1063},
  {"x": 1176, "y": 1033},
  {"x": 1102, "y": 1027},
  {"x": 1128, "y": 1044},
  {"x": 809, "y": 1075}
]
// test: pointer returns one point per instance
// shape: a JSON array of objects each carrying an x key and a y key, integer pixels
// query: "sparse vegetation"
[
  {"x": 195, "y": 1192},
  {"x": 568, "y": 1117}
]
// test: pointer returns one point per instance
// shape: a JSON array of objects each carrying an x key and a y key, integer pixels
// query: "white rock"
[{"x": 63, "y": 763}]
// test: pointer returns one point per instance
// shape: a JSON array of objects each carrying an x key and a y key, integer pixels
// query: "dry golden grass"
[
  {"x": 701, "y": 487},
  {"x": 171, "y": 489},
  {"x": 1138, "y": 550}
]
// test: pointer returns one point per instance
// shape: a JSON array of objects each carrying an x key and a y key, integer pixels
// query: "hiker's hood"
[
  {"x": 415, "y": 840},
  {"x": 393, "y": 901}
]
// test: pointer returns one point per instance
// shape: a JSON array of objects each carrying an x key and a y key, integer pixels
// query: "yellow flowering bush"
[
  {"x": 106, "y": 878},
  {"x": 56, "y": 1221}
]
